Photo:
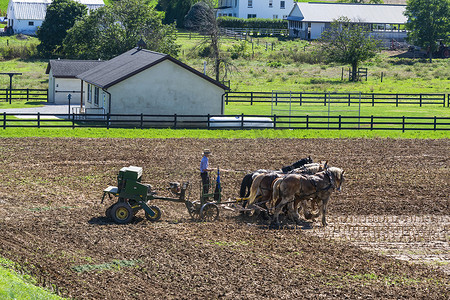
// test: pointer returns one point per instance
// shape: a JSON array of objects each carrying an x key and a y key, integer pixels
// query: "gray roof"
[
  {"x": 36, "y": 9},
  {"x": 365, "y": 13},
  {"x": 130, "y": 63},
  {"x": 67, "y": 68}
]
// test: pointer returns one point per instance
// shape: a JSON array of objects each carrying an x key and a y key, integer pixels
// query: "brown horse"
[
  {"x": 308, "y": 169},
  {"x": 296, "y": 189}
]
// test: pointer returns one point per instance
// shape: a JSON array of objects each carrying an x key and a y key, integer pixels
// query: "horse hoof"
[{"x": 274, "y": 225}]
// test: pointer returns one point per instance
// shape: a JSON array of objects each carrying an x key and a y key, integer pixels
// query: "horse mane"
[{"x": 337, "y": 172}]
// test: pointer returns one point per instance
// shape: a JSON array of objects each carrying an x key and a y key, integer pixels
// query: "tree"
[
  {"x": 60, "y": 17},
  {"x": 114, "y": 29},
  {"x": 202, "y": 19},
  {"x": 348, "y": 43},
  {"x": 428, "y": 22},
  {"x": 175, "y": 10}
]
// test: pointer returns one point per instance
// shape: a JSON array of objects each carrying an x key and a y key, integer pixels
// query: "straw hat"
[{"x": 206, "y": 151}]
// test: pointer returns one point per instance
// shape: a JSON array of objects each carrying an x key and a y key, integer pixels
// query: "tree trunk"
[{"x": 354, "y": 71}]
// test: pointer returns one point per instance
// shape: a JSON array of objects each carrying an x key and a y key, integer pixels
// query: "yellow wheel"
[
  {"x": 157, "y": 215},
  {"x": 121, "y": 213}
]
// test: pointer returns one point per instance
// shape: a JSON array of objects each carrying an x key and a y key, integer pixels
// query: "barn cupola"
[{"x": 141, "y": 44}]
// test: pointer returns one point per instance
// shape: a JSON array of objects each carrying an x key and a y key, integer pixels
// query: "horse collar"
[{"x": 331, "y": 177}]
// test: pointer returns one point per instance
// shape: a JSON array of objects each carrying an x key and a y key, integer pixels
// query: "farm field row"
[{"x": 394, "y": 201}]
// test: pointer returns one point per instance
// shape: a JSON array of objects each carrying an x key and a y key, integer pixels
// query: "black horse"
[
  {"x": 248, "y": 179},
  {"x": 297, "y": 164}
]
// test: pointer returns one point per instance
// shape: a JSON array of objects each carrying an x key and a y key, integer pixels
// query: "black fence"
[
  {"x": 224, "y": 122},
  {"x": 301, "y": 98},
  {"x": 23, "y": 94}
]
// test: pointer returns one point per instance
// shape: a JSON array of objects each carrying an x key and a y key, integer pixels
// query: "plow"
[{"x": 131, "y": 195}]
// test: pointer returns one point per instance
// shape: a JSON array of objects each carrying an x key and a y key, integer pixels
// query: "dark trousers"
[{"x": 205, "y": 182}]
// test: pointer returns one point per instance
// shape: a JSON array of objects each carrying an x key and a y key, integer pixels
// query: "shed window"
[
  {"x": 89, "y": 95},
  {"x": 31, "y": 23},
  {"x": 282, "y": 4},
  {"x": 96, "y": 94},
  {"x": 271, "y": 3},
  {"x": 250, "y": 3},
  {"x": 251, "y": 16}
]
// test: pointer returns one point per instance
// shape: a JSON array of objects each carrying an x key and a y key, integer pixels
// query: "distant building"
[
  {"x": 247, "y": 9},
  {"x": 309, "y": 20},
  {"x": 26, "y": 16}
]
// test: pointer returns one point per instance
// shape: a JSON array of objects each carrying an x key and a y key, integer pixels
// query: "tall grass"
[{"x": 18, "y": 46}]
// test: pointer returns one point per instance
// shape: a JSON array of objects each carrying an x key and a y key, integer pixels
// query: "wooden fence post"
[
  {"x": 373, "y": 99},
  {"x": 251, "y": 98},
  {"x": 175, "y": 121},
  {"x": 307, "y": 121},
  {"x": 209, "y": 122},
  {"x": 142, "y": 121},
  {"x": 39, "y": 120},
  {"x": 396, "y": 100},
  {"x": 349, "y": 101},
  {"x": 339, "y": 122},
  {"x": 4, "y": 120},
  {"x": 403, "y": 124},
  {"x": 274, "y": 121},
  {"x": 301, "y": 99},
  {"x": 242, "y": 121},
  {"x": 371, "y": 122},
  {"x": 28, "y": 94},
  {"x": 420, "y": 101},
  {"x": 107, "y": 120},
  {"x": 434, "y": 122},
  {"x": 73, "y": 120}
]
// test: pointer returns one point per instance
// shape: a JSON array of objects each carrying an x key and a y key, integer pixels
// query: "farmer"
[{"x": 204, "y": 169}]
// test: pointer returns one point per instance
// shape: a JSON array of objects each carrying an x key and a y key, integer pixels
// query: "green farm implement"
[{"x": 133, "y": 195}]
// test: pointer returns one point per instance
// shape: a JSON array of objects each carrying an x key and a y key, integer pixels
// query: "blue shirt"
[{"x": 204, "y": 164}]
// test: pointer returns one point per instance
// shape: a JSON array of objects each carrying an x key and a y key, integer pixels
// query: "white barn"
[
  {"x": 62, "y": 79},
  {"x": 246, "y": 9},
  {"x": 309, "y": 20},
  {"x": 26, "y": 16},
  {"x": 142, "y": 81}
]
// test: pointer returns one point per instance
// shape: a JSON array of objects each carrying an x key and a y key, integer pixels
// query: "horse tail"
[
  {"x": 254, "y": 189},
  {"x": 245, "y": 184},
  {"x": 275, "y": 193}
]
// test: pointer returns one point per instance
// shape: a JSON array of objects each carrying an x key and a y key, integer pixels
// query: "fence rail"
[
  {"x": 23, "y": 94},
  {"x": 301, "y": 98},
  {"x": 226, "y": 121}
]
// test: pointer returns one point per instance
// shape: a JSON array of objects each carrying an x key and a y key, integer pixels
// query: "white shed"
[
  {"x": 151, "y": 83},
  {"x": 26, "y": 16},
  {"x": 62, "y": 79}
]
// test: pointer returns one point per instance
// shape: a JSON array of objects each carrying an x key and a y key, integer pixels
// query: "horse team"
[{"x": 303, "y": 185}]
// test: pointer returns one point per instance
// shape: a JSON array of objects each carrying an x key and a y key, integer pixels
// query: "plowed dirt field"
[{"x": 388, "y": 234}]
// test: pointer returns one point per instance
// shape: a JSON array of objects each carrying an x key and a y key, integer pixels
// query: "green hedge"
[{"x": 232, "y": 22}]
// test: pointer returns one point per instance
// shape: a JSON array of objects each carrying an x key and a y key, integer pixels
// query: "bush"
[{"x": 232, "y": 22}]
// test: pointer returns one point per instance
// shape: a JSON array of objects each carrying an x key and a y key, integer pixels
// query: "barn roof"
[
  {"x": 365, "y": 13},
  {"x": 67, "y": 68},
  {"x": 131, "y": 63},
  {"x": 36, "y": 9}
]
